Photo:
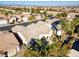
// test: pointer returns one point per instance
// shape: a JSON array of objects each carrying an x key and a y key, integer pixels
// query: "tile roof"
[
  {"x": 7, "y": 41},
  {"x": 33, "y": 30}
]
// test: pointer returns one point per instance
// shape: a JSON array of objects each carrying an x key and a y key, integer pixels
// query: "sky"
[{"x": 40, "y": 3}]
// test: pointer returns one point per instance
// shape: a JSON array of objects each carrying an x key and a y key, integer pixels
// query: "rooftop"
[
  {"x": 33, "y": 30},
  {"x": 73, "y": 53},
  {"x": 7, "y": 41}
]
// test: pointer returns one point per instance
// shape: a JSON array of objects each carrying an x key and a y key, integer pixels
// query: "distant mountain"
[{"x": 39, "y": 3}]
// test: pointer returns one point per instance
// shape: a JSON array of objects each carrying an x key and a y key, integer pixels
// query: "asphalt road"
[{"x": 24, "y": 24}]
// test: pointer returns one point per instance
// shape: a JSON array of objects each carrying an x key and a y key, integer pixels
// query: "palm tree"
[{"x": 39, "y": 45}]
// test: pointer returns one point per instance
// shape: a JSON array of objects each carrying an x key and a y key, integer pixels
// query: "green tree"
[
  {"x": 40, "y": 47},
  {"x": 67, "y": 26},
  {"x": 32, "y": 10},
  {"x": 10, "y": 12},
  {"x": 31, "y": 17},
  {"x": 76, "y": 21},
  {"x": 59, "y": 15}
]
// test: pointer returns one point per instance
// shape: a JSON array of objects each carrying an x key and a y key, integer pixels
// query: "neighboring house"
[
  {"x": 3, "y": 21},
  {"x": 73, "y": 53},
  {"x": 39, "y": 17},
  {"x": 15, "y": 19},
  {"x": 12, "y": 19},
  {"x": 50, "y": 21},
  {"x": 26, "y": 13},
  {"x": 55, "y": 25},
  {"x": 34, "y": 30},
  {"x": 54, "y": 12},
  {"x": 26, "y": 16},
  {"x": 9, "y": 45},
  {"x": 71, "y": 16},
  {"x": 77, "y": 10},
  {"x": 18, "y": 18}
]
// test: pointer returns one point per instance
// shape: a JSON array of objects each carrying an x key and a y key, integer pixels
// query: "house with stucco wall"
[
  {"x": 34, "y": 30},
  {"x": 9, "y": 45}
]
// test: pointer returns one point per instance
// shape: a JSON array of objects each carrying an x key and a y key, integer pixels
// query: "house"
[
  {"x": 18, "y": 18},
  {"x": 50, "y": 21},
  {"x": 25, "y": 16},
  {"x": 9, "y": 45},
  {"x": 54, "y": 12},
  {"x": 13, "y": 19},
  {"x": 34, "y": 30},
  {"x": 39, "y": 16},
  {"x": 71, "y": 16},
  {"x": 3, "y": 21},
  {"x": 55, "y": 25},
  {"x": 73, "y": 53}
]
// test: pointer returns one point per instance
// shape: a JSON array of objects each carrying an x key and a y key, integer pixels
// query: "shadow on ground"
[{"x": 76, "y": 45}]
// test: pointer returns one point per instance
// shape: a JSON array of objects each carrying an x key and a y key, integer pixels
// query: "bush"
[
  {"x": 59, "y": 15},
  {"x": 31, "y": 17}
]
